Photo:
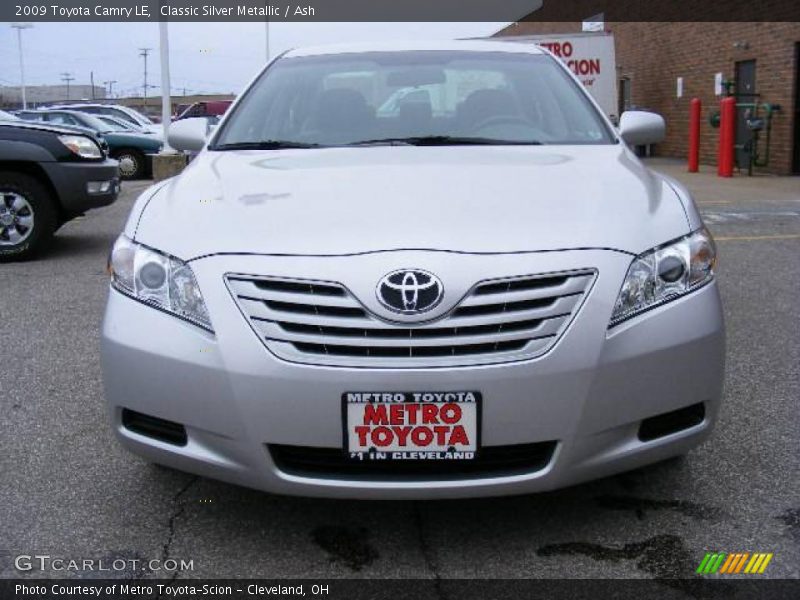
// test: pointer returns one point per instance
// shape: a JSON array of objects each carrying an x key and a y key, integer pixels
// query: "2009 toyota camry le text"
[{"x": 413, "y": 271}]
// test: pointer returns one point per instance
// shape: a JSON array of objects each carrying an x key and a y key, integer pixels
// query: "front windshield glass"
[
  {"x": 117, "y": 124},
  {"x": 95, "y": 123},
  {"x": 139, "y": 117},
  {"x": 417, "y": 97}
]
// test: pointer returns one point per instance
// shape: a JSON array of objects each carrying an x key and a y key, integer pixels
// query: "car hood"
[
  {"x": 142, "y": 141},
  {"x": 466, "y": 199},
  {"x": 44, "y": 126}
]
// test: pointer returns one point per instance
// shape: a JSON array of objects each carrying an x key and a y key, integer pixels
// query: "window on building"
[{"x": 624, "y": 94}]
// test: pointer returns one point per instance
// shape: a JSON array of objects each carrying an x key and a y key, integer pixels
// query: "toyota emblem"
[{"x": 410, "y": 291}]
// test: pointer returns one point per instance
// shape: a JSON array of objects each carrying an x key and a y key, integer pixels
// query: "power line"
[
  {"x": 110, "y": 85},
  {"x": 143, "y": 52},
  {"x": 67, "y": 77}
]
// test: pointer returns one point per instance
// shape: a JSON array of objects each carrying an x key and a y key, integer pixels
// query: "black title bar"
[{"x": 398, "y": 10}]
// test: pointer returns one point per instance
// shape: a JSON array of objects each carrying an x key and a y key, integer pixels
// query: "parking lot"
[{"x": 70, "y": 491}]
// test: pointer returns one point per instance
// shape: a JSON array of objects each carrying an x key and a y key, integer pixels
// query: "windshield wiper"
[
  {"x": 445, "y": 140},
  {"x": 265, "y": 145}
]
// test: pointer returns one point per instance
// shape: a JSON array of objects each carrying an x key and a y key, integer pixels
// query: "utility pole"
[
  {"x": 143, "y": 52},
  {"x": 166, "y": 99},
  {"x": 67, "y": 77},
  {"x": 110, "y": 86},
  {"x": 91, "y": 81},
  {"x": 19, "y": 27}
]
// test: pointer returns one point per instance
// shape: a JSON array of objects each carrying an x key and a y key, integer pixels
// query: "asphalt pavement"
[{"x": 69, "y": 491}]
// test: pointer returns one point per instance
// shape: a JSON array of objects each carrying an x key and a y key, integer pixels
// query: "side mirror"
[
  {"x": 188, "y": 134},
  {"x": 639, "y": 127}
]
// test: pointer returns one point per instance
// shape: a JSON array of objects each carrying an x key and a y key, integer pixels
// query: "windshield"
[
  {"x": 117, "y": 124},
  {"x": 419, "y": 97},
  {"x": 79, "y": 119},
  {"x": 137, "y": 116}
]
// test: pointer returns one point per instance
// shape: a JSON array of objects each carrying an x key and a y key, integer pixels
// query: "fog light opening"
[
  {"x": 672, "y": 422},
  {"x": 162, "y": 430}
]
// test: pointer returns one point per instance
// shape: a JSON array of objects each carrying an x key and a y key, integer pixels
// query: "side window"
[
  {"x": 61, "y": 119},
  {"x": 119, "y": 114}
]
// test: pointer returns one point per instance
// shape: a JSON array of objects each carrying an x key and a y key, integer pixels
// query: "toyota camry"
[{"x": 417, "y": 271}]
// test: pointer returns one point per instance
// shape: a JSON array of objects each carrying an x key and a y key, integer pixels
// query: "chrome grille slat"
[
  {"x": 532, "y": 348},
  {"x": 247, "y": 289},
  {"x": 273, "y": 331},
  {"x": 560, "y": 306},
  {"x": 257, "y": 309},
  {"x": 572, "y": 285},
  {"x": 321, "y": 322}
]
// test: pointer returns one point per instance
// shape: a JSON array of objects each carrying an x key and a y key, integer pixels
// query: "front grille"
[
  {"x": 491, "y": 461},
  {"x": 321, "y": 322}
]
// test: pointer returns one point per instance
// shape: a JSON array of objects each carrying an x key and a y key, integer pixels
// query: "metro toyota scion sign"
[{"x": 591, "y": 57}]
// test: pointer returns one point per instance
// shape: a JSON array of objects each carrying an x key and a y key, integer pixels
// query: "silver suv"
[{"x": 480, "y": 291}]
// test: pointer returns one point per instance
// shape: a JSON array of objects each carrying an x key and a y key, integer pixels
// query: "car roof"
[
  {"x": 83, "y": 105},
  {"x": 51, "y": 109},
  {"x": 452, "y": 45}
]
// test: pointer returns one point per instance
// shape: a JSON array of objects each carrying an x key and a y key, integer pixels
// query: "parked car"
[
  {"x": 126, "y": 113},
  {"x": 7, "y": 116},
  {"x": 211, "y": 108},
  {"x": 48, "y": 175},
  {"x": 133, "y": 150},
  {"x": 498, "y": 298},
  {"x": 120, "y": 124}
]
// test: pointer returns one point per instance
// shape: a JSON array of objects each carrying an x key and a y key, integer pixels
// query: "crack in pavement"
[
  {"x": 427, "y": 554},
  {"x": 179, "y": 509}
]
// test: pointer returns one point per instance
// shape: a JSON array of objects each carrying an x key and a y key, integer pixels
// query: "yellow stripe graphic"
[
  {"x": 764, "y": 564},
  {"x": 754, "y": 562}
]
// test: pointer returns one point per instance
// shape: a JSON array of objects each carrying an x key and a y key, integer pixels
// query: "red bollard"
[
  {"x": 694, "y": 134},
  {"x": 727, "y": 136}
]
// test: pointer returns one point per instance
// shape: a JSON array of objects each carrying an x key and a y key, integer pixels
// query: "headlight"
[
  {"x": 157, "y": 279},
  {"x": 665, "y": 273},
  {"x": 81, "y": 145}
]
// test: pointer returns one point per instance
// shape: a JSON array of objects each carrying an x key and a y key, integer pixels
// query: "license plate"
[{"x": 411, "y": 425}]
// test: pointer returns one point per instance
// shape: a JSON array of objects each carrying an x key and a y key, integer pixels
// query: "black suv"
[{"x": 48, "y": 175}]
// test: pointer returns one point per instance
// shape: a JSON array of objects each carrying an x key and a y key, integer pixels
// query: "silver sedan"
[{"x": 426, "y": 271}]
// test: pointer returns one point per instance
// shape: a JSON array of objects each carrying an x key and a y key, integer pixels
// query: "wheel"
[
  {"x": 27, "y": 216},
  {"x": 131, "y": 163}
]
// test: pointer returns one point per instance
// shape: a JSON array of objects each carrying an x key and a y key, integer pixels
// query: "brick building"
[{"x": 761, "y": 60}]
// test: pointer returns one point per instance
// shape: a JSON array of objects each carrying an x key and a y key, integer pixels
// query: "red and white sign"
[
  {"x": 591, "y": 57},
  {"x": 412, "y": 425}
]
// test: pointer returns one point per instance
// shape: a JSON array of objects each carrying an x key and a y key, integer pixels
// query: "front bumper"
[
  {"x": 589, "y": 393},
  {"x": 70, "y": 180}
]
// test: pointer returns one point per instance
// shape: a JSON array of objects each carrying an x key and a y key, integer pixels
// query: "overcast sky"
[{"x": 205, "y": 57}]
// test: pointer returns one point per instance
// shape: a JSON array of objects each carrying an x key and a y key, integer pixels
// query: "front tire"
[
  {"x": 28, "y": 216},
  {"x": 131, "y": 163}
]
